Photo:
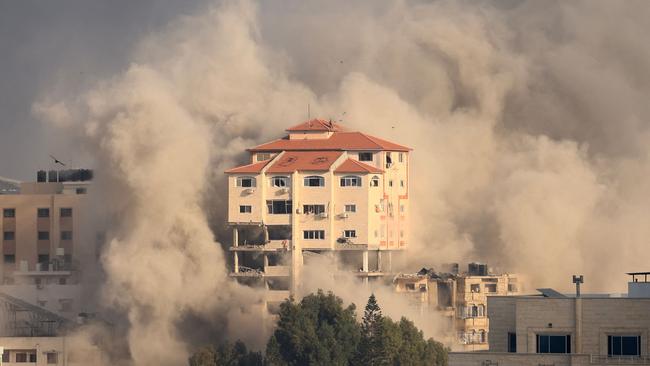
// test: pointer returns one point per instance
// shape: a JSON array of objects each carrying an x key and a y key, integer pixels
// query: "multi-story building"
[
  {"x": 561, "y": 329},
  {"x": 41, "y": 239},
  {"x": 460, "y": 297},
  {"x": 320, "y": 191}
]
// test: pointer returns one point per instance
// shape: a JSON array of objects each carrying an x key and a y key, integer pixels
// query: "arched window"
[
  {"x": 481, "y": 310},
  {"x": 374, "y": 182},
  {"x": 314, "y": 181},
  {"x": 280, "y": 181},
  {"x": 246, "y": 182},
  {"x": 474, "y": 311},
  {"x": 482, "y": 336},
  {"x": 351, "y": 181}
]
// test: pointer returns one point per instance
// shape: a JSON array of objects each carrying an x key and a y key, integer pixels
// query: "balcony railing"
[{"x": 620, "y": 360}]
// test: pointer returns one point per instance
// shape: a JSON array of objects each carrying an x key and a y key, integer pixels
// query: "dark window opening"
[
  {"x": 10, "y": 258},
  {"x": 66, "y": 235},
  {"x": 313, "y": 209},
  {"x": 279, "y": 207},
  {"x": 9, "y": 212},
  {"x": 43, "y": 212},
  {"x": 365, "y": 156},
  {"x": 314, "y": 181},
  {"x": 43, "y": 235},
  {"x": 245, "y": 209},
  {"x": 512, "y": 342},
  {"x": 553, "y": 343},
  {"x": 66, "y": 212},
  {"x": 619, "y": 345}
]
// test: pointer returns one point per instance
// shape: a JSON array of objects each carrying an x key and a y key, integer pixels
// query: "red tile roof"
[
  {"x": 293, "y": 161},
  {"x": 250, "y": 168},
  {"x": 317, "y": 125},
  {"x": 353, "y": 166},
  {"x": 338, "y": 141}
]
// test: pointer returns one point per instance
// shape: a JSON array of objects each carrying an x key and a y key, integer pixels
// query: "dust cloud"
[{"x": 528, "y": 121}]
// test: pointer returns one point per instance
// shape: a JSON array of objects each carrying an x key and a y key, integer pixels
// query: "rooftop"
[
  {"x": 337, "y": 141},
  {"x": 293, "y": 161},
  {"x": 317, "y": 125},
  {"x": 353, "y": 166},
  {"x": 249, "y": 168}
]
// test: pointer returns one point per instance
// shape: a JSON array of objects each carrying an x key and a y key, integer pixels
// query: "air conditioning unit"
[
  {"x": 322, "y": 215},
  {"x": 249, "y": 190},
  {"x": 344, "y": 215}
]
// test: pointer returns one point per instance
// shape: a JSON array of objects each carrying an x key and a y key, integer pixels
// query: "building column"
[
  {"x": 266, "y": 261},
  {"x": 379, "y": 260},
  {"x": 235, "y": 237},
  {"x": 266, "y": 234},
  {"x": 390, "y": 261},
  {"x": 236, "y": 261},
  {"x": 365, "y": 261}
]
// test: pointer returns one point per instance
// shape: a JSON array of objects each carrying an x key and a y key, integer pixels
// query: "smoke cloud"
[{"x": 528, "y": 121}]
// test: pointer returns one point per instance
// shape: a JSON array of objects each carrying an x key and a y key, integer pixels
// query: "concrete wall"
[{"x": 516, "y": 359}]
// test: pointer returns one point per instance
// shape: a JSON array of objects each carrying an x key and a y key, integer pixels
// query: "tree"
[
  {"x": 315, "y": 331},
  {"x": 369, "y": 351},
  {"x": 226, "y": 355}
]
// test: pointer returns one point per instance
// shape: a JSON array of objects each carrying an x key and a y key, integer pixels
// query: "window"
[
  {"x": 66, "y": 212},
  {"x": 81, "y": 191},
  {"x": 351, "y": 208},
  {"x": 349, "y": 233},
  {"x": 390, "y": 183},
  {"x": 365, "y": 156},
  {"x": 263, "y": 156},
  {"x": 62, "y": 281},
  {"x": 410, "y": 286},
  {"x": 245, "y": 209},
  {"x": 5, "y": 355},
  {"x": 21, "y": 357},
  {"x": 313, "y": 209},
  {"x": 402, "y": 208},
  {"x": 279, "y": 207},
  {"x": 547, "y": 343},
  {"x": 512, "y": 287},
  {"x": 374, "y": 182},
  {"x": 66, "y": 235},
  {"x": 491, "y": 287},
  {"x": 401, "y": 183},
  {"x": 401, "y": 157},
  {"x": 512, "y": 342},
  {"x": 10, "y": 258},
  {"x": 9, "y": 212},
  {"x": 350, "y": 181},
  {"x": 9, "y": 235},
  {"x": 280, "y": 182},
  {"x": 66, "y": 305},
  {"x": 43, "y": 235},
  {"x": 475, "y": 288},
  {"x": 52, "y": 357},
  {"x": 314, "y": 181},
  {"x": 314, "y": 234},
  {"x": 623, "y": 345},
  {"x": 43, "y": 212},
  {"x": 401, "y": 233},
  {"x": 245, "y": 182},
  {"x": 389, "y": 160}
]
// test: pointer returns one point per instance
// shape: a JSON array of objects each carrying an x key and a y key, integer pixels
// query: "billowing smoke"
[{"x": 528, "y": 121}]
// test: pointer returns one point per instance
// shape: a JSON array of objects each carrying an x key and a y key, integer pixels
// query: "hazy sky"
[{"x": 45, "y": 44}]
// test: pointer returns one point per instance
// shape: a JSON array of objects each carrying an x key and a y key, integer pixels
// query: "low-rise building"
[
  {"x": 559, "y": 329},
  {"x": 461, "y": 297}
]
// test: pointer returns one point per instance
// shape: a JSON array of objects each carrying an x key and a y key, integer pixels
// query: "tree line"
[{"x": 319, "y": 330}]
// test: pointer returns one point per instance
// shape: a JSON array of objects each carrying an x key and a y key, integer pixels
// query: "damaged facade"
[
  {"x": 460, "y": 297},
  {"x": 321, "y": 191}
]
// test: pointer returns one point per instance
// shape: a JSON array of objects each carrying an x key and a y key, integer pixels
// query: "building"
[
  {"x": 322, "y": 190},
  {"x": 559, "y": 329},
  {"x": 41, "y": 226},
  {"x": 460, "y": 297}
]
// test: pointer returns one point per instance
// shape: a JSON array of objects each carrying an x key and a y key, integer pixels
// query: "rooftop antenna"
[{"x": 578, "y": 279}]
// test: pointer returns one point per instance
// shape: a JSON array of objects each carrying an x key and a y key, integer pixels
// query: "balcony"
[
  {"x": 277, "y": 271},
  {"x": 619, "y": 360},
  {"x": 271, "y": 246}
]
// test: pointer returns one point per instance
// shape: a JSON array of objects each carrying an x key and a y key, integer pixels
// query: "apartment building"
[
  {"x": 41, "y": 226},
  {"x": 460, "y": 297},
  {"x": 561, "y": 329},
  {"x": 322, "y": 190}
]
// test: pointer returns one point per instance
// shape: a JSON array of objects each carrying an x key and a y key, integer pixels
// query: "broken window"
[
  {"x": 313, "y": 209},
  {"x": 279, "y": 207},
  {"x": 389, "y": 160},
  {"x": 410, "y": 286},
  {"x": 280, "y": 182},
  {"x": 351, "y": 181},
  {"x": 374, "y": 182},
  {"x": 475, "y": 288},
  {"x": 314, "y": 181},
  {"x": 349, "y": 233},
  {"x": 314, "y": 234},
  {"x": 246, "y": 182}
]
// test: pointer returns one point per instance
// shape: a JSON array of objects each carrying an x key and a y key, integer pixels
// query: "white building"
[{"x": 321, "y": 190}]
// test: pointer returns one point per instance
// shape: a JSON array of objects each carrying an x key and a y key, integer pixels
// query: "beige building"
[
  {"x": 40, "y": 226},
  {"x": 460, "y": 297},
  {"x": 320, "y": 191},
  {"x": 557, "y": 329}
]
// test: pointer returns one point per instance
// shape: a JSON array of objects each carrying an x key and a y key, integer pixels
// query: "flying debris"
[{"x": 57, "y": 161}]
